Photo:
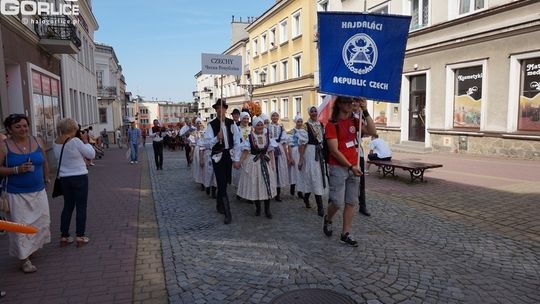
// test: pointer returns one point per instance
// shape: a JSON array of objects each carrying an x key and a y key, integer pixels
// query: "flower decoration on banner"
[{"x": 253, "y": 108}]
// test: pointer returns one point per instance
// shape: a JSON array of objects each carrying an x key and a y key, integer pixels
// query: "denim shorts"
[{"x": 343, "y": 186}]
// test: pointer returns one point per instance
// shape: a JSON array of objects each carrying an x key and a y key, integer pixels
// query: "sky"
[{"x": 159, "y": 42}]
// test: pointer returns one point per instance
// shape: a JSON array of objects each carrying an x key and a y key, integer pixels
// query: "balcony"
[
  {"x": 57, "y": 34},
  {"x": 107, "y": 92}
]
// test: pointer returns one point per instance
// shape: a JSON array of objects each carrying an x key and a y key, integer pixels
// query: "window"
[
  {"x": 283, "y": 31},
  {"x": 255, "y": 47},
  {"x": 284, "y": 107},
  {"x": 296, "y": 26},
  {"x": 380, "y": 9},
  {"x": 263, "y": 43},
  {"x": 102, "y": 115},
  {"x": 469, "y": 6},
  {"x": 272, "y": 38},
  {"x": 265, "y": 106},
  {"x": 323, "y": 6},
  {"x": 297, "y": 68},
  {"x": 419, "y": 10},
  {"x": 99, "y": 77},
  {"x": 273, "y": 105},
  {"x": 284, "y": 70},
  {"x": 255, "y": 76},
  {"x": 467, "y": 97},
  {"x": 273, "y": 73},
  {"x": 297, "y": 105},
  {"x": 529, "y": 97}
]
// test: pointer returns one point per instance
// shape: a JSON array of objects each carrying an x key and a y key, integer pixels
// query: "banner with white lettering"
[
  {"x": 361, "y": 55},
  {"x": 221, "y": 64}
]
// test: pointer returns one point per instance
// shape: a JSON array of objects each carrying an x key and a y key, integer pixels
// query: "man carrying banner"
[
  {"x": 223, "y": 137},
  {"x": 367, "y": 129},
  {"x": 344, "y": 174}
]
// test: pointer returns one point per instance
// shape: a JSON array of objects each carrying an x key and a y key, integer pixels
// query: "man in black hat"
[
  {"x": 223, "y": 137},
  {"x": 236, "y": 116}
]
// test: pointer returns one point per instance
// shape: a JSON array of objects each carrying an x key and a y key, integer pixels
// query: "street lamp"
[{"x": 250, "y": 87}]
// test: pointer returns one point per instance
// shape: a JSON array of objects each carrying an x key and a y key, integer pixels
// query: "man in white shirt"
[
  {"x": 119, "y": 138},
  {"x": 222, "y": 136},
  {"x": 378, "y": 150}
]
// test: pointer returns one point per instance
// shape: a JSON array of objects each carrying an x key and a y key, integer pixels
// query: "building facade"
[
  {"x": 111, "y": 88},
  {"x": 205, "y": 95},
  {"x": 79, "y": 90}
]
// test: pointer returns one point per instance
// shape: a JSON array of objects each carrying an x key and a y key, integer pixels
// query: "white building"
[
  {"x": 111, "y": 87},
  {"x": 79, "y": 89},
  {"x": 207, "y": 92}
]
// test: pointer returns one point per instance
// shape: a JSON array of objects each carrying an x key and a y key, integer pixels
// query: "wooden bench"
[{"x": 416, "y": 169}]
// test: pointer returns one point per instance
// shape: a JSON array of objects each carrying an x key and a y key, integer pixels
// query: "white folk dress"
[
  {"x": 277, "y": 132},
  {"x": 196, "y": 170},
  {"x": 253, "y": 185},
  {"x": 296, "y": 139},
  {"x": 244, "y": 131},
  {"x": 208, "y": 176},
  {"x": 314, "y": 176}
]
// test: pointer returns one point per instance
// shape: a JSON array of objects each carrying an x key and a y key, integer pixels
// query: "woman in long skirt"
[
  {"x": 196, "y": 155},
  {"x": 245, "y": 129},
  {"x": 282, "y": 155},
  {"x": 258, "y": 180},
  {"x": 313, "y": 162},
  {"x": 297, "y": 138}
]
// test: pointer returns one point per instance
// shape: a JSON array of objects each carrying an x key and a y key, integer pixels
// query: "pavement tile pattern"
[{"x": 412, "y": 250}]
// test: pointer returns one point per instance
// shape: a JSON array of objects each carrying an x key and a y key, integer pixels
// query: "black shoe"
[
  {"x": 293, "y": 187},
  {"x": 327, "y": 227},
  {"x": 278, "y": 196},
  {"x": 306, "y": 200},
  {"x": 227, "y": 209},
  {"x": 347, "y": 239},
  {"x": 320, "y": 207},
  {"x": 214, "y": 189},
  {"x": 238, "y": 198},
  {"x": 208, "y": 190},
  {"x": 202, "y": 187},
  {"x": 219, "y": 206},
  {"x": 300, "y": 195},
  {"x": 267, "y": 209},
  {"x": 257, "y": 208}
]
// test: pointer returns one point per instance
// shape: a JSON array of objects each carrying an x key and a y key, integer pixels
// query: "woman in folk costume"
[
  {"x": 258, "y": 179},
  {"x": 206, "y": 167},
  {"x": 312, "y": 161},
  {"x": 282, "y": 154},
  {"x": 196, "y": 154},
  {"x": 297, "y": 138},
  {"x": 245, "y": 129}
]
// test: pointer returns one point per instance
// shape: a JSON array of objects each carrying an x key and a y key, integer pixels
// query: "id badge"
[{"x": 349, "y": 144}]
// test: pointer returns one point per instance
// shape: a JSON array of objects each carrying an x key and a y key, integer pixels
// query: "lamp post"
[{"x": 250, "y": 87}]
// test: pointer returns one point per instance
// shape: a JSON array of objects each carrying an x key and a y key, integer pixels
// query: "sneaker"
[
  {"x": 27, "y": 267},
  {"x": 366, "y": 172},
  {"x": 327, "y": 227},
  {"x": 136, "y": 162},
  {"x": 131, "y": 162},
  {"x": 347, "y": 239}
]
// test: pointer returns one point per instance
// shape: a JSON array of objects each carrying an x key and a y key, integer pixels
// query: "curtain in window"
[{"x": 464, "y": 6}]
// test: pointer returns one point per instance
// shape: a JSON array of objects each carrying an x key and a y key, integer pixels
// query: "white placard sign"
[{"x": 221, "y": 64}]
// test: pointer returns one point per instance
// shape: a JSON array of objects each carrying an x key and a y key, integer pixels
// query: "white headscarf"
[
  {"x": 264, "y": 117},
  {"x": 297, "y": 117},
  {"x": 311, "y": 107},
  {"x": 198, "y": 120},
  {"x": 257, "y": 119},
  {"x": 243, "y": 114},
  {"x": 274, "y": 112}
]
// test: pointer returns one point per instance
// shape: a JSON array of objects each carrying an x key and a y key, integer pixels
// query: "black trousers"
[
  {"x": 188, "y": 151},
  {"x": 223, "y": 171},
  {"x": 158, "y": 153},
  {"x": 362, "y": 193}
]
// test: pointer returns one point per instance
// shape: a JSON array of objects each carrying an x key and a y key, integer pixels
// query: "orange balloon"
[{"x": 16, "y": 227}]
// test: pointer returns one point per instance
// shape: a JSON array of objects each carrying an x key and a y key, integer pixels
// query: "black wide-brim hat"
[{"x": 221, "y": 102}]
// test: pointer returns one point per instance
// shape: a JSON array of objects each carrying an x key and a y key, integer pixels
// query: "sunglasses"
[{"x": 16, "y": 116}]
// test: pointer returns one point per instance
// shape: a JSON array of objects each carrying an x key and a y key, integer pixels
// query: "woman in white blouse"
[{"x": 73, "y": 179}]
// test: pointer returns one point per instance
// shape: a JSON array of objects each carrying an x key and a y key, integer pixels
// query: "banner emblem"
[{"x": 360, "y": 54}]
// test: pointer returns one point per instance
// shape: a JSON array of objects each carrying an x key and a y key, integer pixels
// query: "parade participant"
[
  {"x": 184, "y": 133},
  {"x": 368, "y": 129},
  {"x": 194, "y": 140},
  {"x": 157, "y": 144},
  {"x": 282, "y": 154},
  {"x": 344, "y": 174},
  {"x": 312, "y": 161},
  {"x": 118, "y": 134},
  {"x": 245, "y": 129},
  {"x": 265, "y": 119},
  {"x": 105, "y": 138},
  {"x": 24, "y": 163},
  {"x": 258, "y": 181},
  {"x": 134, "y": 137},
  {"x": 298, "y": 137},
  {"x": 144, "y": 134},
  {"x": 236, "y": 117},
  {"x": 73, "y": 179},
  {"x": 222, "y": 136}
]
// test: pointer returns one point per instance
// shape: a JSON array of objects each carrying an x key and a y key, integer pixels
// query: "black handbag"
[{"x": 57, "y": 187}]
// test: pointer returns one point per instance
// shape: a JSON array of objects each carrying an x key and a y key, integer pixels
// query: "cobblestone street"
[{"x": 421, "y": 244}]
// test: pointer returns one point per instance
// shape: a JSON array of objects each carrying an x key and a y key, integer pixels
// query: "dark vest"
[
  {"x": 216, "y": 125},
  {"x": 312, "y": 139}
]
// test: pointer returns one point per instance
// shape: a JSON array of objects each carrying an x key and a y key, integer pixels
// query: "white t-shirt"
[
  {"x": 380, "y": 147},
  {"x": 73, "y": 158}
]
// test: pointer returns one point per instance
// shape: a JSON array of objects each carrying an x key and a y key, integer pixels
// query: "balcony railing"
[
  {"x": 57, "y": 34},
  {"x": 106, "y": 91}
]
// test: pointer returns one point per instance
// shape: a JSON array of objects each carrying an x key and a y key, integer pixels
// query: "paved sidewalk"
[
  {"x": 437, "y": 242},
  {"x": 102, "y": 271}
]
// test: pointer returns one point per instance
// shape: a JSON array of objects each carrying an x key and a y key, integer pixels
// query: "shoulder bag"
[{"x": 57, "y": 188}]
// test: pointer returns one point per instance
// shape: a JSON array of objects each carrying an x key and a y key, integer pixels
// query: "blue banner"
[{"x": 361, "y": 55}]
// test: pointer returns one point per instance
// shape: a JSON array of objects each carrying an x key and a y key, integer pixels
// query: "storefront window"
[
  {"x": 529, "y": 99},
  {"x": 468, "y": 97},
  {"x": 46, "y": 92}
]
